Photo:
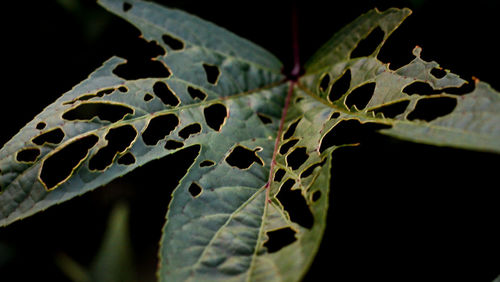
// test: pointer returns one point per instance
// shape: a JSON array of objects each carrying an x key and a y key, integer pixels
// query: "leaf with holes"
[
  {"x": 253, "y": 204},
  {"x": 419, "y": 102}
]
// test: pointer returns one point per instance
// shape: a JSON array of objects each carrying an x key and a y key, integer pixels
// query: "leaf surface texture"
[{"x": 264, "y": 144}]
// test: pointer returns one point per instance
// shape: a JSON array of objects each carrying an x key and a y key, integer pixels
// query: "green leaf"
[
  {"x": 114, "y": 260},
  {"x": 263, "y": 144},
  {"x": 414, "y": 103},
  {"x": 75, "y": 128}
]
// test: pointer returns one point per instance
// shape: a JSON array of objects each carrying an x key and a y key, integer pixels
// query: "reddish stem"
[{"x": 294, "y": 75}]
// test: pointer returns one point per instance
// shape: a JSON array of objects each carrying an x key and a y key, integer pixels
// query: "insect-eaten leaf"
[{"x": 253, "y": 199}]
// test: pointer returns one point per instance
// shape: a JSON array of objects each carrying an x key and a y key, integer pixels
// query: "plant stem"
[{"x": 294, "y": 75}]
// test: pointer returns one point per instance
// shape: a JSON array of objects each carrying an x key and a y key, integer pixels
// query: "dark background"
[{"x": 398, "y": 212}]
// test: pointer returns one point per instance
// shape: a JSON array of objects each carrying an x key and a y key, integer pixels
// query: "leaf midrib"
[
  {"x": 128, "y": 121},
  {"x": 215, "y": 236},
  {"x": 386, "y": 121}
]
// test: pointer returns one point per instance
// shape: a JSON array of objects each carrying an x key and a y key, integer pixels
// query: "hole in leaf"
[
  {"x": 466, "y": 88},
  {"x": 127, "y": 159},
  {"x": 106, "y": 91},
  {"x": 297, "y": 157},
  {"x": 104, "y": 111},
  {"x": 286, "y": 146},
  {"x": 140, "y": 61},
  {"x": 295, "y": 204},
  {"x": 264, "y": 118},
  {"x": 215, "y": 115},
  {"x": 278, "y": 239},
  {"x": 278, "y": 175},
  {"x": 119, "y": 139},
  {"x": 212, "y": 73},
  {"x": 86, "y": 97},
  {"x": 195, "y": 189},
  {"x": 310, "y": 169},
  {"x": 123, "y": 89},
  {"x": 360, "y": 96},
  {"x": 54, "y": 136},
  {"x": 243, "y": 158},
  {"x": 349, "y": 132},
  {"x": 196, "y": 93},
  {"x": 340, "y": 86},
  {"x": 206, "y": 163},
  {"x": 139, "y": 69},
  {"x": 325, "y": 81},
  {"x": 28, "y": 155},
  {"x": 334, "y": 115},
  {"x": 158, "y": 128},
  {"x": 424, "y": 88},
  {"x": 438, "y": 72},
  {"x": 190, "y": 130},
  {"x": 420, "y": 88},
  {"x": 369, "y": 44},
  {"x": 41, "y": 125},
  {"x": 126, "y": 6},
  {"x": 148, "y": 97},
  {"x": 162, "y": 91},
  {"x": 60, "y": 165},
  {"x": 172, "y": 145},
  {"x": 291, "y": 129},
  {"x": 316, "y": 195},
  {"x": 429, "y": 109},
  {"x": 173, "y": 43},
  {"x": 392, "y": 110}
]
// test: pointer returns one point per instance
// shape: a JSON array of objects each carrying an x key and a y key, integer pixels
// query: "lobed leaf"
[
  {"x": 417, "y": 104},
  {"x": 263, "y": 144}
]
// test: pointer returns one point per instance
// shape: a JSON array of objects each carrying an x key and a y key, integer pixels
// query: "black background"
[{"x": 398, "y": 211}]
